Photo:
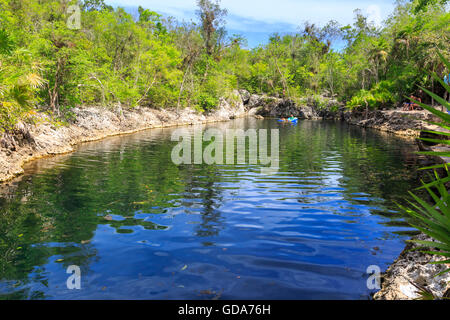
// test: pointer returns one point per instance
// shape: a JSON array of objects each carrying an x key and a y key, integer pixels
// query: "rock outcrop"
[
  {"x": 273, "y": 107},
  {"x": 412, "y": 273},
  {"x": 407, "y": 123},
  {"x": 230, "y": 108}
]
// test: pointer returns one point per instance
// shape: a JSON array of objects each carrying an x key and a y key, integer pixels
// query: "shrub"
[
  {"x": 19, "y": 82},
  {"x": 379, "y": 96},
  {"x": 206, "y": 101}
]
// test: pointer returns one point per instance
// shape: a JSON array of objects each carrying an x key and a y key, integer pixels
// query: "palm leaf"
[
  {"x": 437, "y": 166},
  {"x": 445, "y": 61},
  {"x": 438, "y": 132},
  {"x": 434, "y": 220},
  {"x": 441, "y": 100},
  {"x": 440, "y": 114}
]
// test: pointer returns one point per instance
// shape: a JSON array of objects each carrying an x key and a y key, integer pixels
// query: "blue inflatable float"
[{"x": 294, "y": 121}]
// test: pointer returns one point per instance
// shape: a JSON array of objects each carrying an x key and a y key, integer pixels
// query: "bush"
[
  {"x": 206, "y": 101},
  {"x": 379, "y": 96},
  {"x": 19, "y": 82}
]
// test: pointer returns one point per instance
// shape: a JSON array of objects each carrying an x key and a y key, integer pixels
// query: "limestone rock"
[
  {"x": 245, "y": 95},
  {"x": 412, "y": 270},
  {"x": 254, "y": 101}
]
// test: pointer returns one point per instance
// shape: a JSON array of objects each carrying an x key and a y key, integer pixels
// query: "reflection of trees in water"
[
  {"x": 65, "y": 203},
  {"x": 377, "y": 163},
  {"x": 362, "y": 160},
  {"x": 24, "y": 250},
  {"x": 206, "y": 193},
  {"x": 211, "y": 217},
  {"x": 57, "y": 213}
]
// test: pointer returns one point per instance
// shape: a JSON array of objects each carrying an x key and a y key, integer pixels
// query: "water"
[{"x": 141, "y": 227}]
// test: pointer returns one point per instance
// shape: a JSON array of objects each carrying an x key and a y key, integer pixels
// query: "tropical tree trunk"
[
  {"x": 182, "y": 87},
  {"x": 54, "y": 92}
]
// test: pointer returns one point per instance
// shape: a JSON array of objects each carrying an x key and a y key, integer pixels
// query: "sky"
[{"x": 258, "y": 19}]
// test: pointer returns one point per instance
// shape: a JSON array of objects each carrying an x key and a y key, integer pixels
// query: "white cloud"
[
  {"x": 249, "y": 16},
  {"x": 374, "y": 14}
]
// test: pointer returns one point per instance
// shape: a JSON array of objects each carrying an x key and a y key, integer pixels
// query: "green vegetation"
[
  {"x": 434, "y": 219},
  {"x": 115, "y": 58}
]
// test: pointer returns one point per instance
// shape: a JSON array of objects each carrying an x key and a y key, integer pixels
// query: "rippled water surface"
[{"x": 141, "y": 227}]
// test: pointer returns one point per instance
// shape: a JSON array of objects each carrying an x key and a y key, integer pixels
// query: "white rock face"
[
  {"x": 238, "y": 102},
  {"x": 230, "y": 108},
  {"x": 413, "y": 269},
  {"x": 253, "y": 111}
]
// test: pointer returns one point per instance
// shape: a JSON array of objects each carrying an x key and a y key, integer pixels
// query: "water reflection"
[{"x": 141, "y": 227}]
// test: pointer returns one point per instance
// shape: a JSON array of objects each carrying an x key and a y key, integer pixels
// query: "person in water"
[{"x": 291, "y": 118}]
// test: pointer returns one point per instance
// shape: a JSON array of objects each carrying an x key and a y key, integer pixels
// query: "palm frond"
[{"x": 434, "y": 219}]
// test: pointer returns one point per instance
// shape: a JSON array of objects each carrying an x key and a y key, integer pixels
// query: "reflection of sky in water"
[{"x": 141, "y": 227}]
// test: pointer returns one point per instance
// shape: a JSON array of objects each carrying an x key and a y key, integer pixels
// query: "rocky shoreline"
[
  {"x": 412, "y": 274},
  {"x": 42, "y": 138},
  {"x": 402, "y": 123}
]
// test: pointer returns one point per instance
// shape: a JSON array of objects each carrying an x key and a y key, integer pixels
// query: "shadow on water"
[{"x": 141, "y": 227}]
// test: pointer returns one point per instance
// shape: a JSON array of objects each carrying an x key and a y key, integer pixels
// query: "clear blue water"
[{"x": 141, "y": 227}]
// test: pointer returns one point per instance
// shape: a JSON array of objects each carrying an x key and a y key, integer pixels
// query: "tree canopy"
[{"x": 115, "y": 58}]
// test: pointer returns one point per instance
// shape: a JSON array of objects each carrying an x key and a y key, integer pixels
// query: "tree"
[
  {"x": 212, "y": 19},
  {"x": 118, "y": 60},
  {"x": 422, "y": 5},
  {"x": 95, "y": 5}
]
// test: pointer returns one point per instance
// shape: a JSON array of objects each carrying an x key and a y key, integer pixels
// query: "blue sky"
[{"x": 257, "y": 19}]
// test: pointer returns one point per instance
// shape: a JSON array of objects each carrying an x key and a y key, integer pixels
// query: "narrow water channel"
[{"x": 141, "y": 227}]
